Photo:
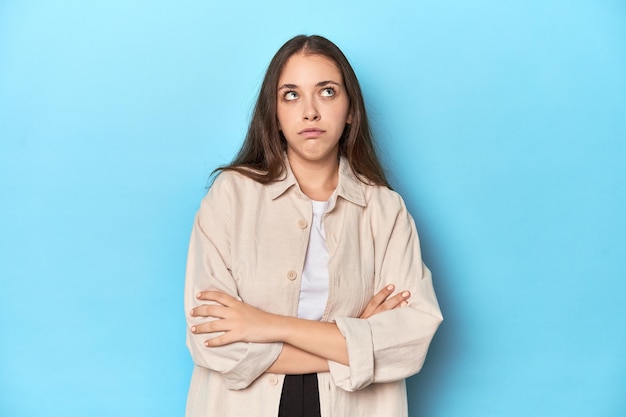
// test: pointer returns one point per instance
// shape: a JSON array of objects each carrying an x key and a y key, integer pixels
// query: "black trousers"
[{"x": 300, "y": 397}]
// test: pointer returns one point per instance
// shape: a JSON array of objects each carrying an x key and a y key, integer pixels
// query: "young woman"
[{"x": 295, "y": 257}]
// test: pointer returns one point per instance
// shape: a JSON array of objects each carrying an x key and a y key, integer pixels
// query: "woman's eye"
[
  {"x": 290, "y": 95},
  {"x": 328, "y": 92}
]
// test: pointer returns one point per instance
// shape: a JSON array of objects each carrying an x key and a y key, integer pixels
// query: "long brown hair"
[{"x": 261, "y": 156}]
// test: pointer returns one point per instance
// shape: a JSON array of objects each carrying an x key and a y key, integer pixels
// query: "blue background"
[{"x": 503, "y": 124}]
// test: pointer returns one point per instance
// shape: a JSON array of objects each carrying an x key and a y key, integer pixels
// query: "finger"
[
  {"x": 376, "y": 301},
  {"x": 373, "y": 304},
  {"x": 210, "y": 327},
  {"x": 225, "y": 339},
  {"x": 206, "y": 310},
  {"x": 217, "y": 296},
  {"x": 396, "y": 301}
]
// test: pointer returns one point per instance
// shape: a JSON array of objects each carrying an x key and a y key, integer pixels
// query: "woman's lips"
[{"x": 311, "y": 132}]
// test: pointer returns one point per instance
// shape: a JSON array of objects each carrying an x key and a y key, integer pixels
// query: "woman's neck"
[{"x": 317, "y": 180}]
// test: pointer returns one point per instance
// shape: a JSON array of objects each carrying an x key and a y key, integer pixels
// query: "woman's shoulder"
[
  {"x": 386, "y": 209},
  {"x": 382, "y": 197},
  {"x": 231, "y": 184},
  {"x": 233, "y": 178}
]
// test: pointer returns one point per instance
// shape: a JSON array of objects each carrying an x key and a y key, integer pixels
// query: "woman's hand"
[
  {"x": 383, "y": 302},
  {"x": 239, "y": 321}
]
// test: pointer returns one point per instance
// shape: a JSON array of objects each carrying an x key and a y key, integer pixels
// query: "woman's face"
[{"x": 312, "y": 108}]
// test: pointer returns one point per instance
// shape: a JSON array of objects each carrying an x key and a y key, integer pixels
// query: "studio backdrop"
[{"x": 503, "y": 125}]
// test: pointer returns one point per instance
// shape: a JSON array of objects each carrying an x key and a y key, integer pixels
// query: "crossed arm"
[{"x": 307, "y": 344}]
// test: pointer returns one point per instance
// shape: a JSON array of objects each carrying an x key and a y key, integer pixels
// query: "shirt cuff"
[
  {"x": 254, "y": 363},
  {"x": 360, "y": 371}
]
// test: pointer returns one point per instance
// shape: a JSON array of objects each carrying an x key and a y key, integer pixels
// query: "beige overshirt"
[{"x": 250, "y": 240}]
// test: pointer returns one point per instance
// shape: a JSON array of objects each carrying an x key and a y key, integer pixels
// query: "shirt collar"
[{"x": 349, "y": 186}]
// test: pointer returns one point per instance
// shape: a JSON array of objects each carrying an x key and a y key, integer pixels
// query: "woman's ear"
[{"x": 349, "y": 118}]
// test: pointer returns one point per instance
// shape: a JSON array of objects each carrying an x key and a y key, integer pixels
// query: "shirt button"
[
  {"x": 291, "y": 275},
  {"x": 302, "y": 223},
  {"x": 272, "y": 380}
]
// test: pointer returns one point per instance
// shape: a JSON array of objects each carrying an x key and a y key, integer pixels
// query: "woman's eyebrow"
[
  {"x": 320, "y": 84},
  {"x": 323, "y": 83}
]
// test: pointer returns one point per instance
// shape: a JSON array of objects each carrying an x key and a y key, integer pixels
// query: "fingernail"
[
  {"x": 390, "y": 287},
  {"x": 193, "y": 329},
  {"x": 191, "y": 313},
  {"x": 206, "y": 343},
  {"x": 406, "y": 294},
  {"x": 199, "y": 295},
  {"x": 404, "y": 304}
]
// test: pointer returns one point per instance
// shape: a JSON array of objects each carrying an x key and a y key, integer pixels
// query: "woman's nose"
[{"x": 310, "y": 111}]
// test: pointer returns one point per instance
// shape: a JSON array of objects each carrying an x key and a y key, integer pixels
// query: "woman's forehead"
[{"x": 307, "y": 69}]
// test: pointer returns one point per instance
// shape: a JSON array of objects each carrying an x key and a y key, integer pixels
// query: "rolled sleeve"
[
  {"x": 386, "y": 347},
  {"x": 238, "y": 363},
  {"x": 359, "y": 343}
]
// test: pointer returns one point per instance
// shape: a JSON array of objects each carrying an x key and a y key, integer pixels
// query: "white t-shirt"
[{"x": 314, "y": 288}]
